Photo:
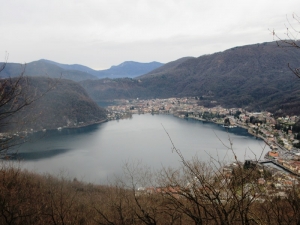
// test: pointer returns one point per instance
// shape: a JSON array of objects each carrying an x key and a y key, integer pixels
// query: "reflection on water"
[
  {"x": 36, "y": 155},
  {"x": 236, "y": 130},
  {"x": 97, "y": 152}
]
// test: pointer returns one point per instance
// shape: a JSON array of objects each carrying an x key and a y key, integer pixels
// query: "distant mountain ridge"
[
  {"x": 42, "y": 68},
  {"x": 77, "y": 72},
  {"x": 78, "y": 67},
  {"x": 167, "y": 67},
  {"x": 129, "y": 69},
  {"x": 254, "y": 76}
]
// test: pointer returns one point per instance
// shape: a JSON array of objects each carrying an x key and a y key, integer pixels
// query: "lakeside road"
[
  {"x": 241, "y": 126},
  {"x": 237, "y": 124},
  {"x": 282, "y": 151}
]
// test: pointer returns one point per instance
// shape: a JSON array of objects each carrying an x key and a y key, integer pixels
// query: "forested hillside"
[
  {"x": 52, "y": 103},
  {"x": 253, "y": 76}
]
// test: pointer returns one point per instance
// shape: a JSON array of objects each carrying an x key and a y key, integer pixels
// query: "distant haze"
[
  {"x": 103, "y": 33},
  {"x": 126, "y": 69}
]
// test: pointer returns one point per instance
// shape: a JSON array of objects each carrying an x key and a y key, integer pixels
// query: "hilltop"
[
  {"x": 56, "y": 103},
  {"x": 126, "y": 69},
  {"x": 77, "y": 72},
  {"x": 253, "y": 76},
  {"x": 42, "y": 68}
]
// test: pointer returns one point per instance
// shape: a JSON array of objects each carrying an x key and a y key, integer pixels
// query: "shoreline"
[
  {"x": 238, "y": 125},
  {"x": 84, "y": 125},
  {"x": 74, "y": 127},
  {"x": 218, "y": 123},
  {"x": 17, "y": 133}
]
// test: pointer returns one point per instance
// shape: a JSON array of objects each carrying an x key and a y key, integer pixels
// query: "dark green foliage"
[
  {"x": 255, "y": 120},
  {"x": 227, "y": 122},
  {"x": 280, "y": 142},
  {"x": 297, "y": 145},
  {"x": 237, "y": 114},
  {"x": 296, "y": 128}
]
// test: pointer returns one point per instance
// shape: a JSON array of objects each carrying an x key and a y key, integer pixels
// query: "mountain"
[
  {"x": 167, "y": 67},
  {"x": 120, "y": 88},
  {"x": 126, "y": 69},
  {"x": 43, "y": 68},
  {"x": 254, "y": 76},
  {"x": 57, "y": 103},
  {"x": 129, "y": 69},
  {"x": 72, "y": 67}
]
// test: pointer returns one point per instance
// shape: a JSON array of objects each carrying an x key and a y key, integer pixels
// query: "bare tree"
[
  {"x": 196, "y": 193},
  {"x": 15, "y": 94},
  {"x": 207, "y": 194},
  {"x": 291, "y": 39}
]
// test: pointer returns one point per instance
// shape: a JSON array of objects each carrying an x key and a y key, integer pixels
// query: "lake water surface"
[{"x": 97, "y": 153}]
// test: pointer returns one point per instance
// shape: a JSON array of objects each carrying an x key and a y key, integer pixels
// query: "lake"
[{"x": 98, "y": 152}]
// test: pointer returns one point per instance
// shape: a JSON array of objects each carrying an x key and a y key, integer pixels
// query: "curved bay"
[{"x": 98, "y": 152}]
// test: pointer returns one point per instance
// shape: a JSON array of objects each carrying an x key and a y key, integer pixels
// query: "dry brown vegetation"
[{"x": 197, "y": 193}]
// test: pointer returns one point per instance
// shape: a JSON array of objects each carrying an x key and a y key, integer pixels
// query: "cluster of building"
[
  {"x": 260, "y": 124},
  {"x": 265, "y": 183},
  {"x": 271, "y": 182}
]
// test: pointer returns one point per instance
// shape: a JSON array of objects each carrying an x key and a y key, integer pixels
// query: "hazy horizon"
[{"x": 99, "y": 34}]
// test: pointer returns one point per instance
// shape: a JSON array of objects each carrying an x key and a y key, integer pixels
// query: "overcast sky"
[{"x": 102, "y": 33}]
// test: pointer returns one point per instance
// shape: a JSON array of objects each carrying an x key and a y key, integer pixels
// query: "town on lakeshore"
[{"x": 277, "y": 133}]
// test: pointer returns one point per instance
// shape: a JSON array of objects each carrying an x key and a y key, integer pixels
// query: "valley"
[
  {"x": 150, "y": 112},
  {"x": 255, "y": 77},
  {"x": 280, "y": 133}
]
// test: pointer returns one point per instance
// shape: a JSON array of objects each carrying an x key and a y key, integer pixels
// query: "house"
[
  {"x": 261, "y": 181},
  {"x": 273, "y": 154}
]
